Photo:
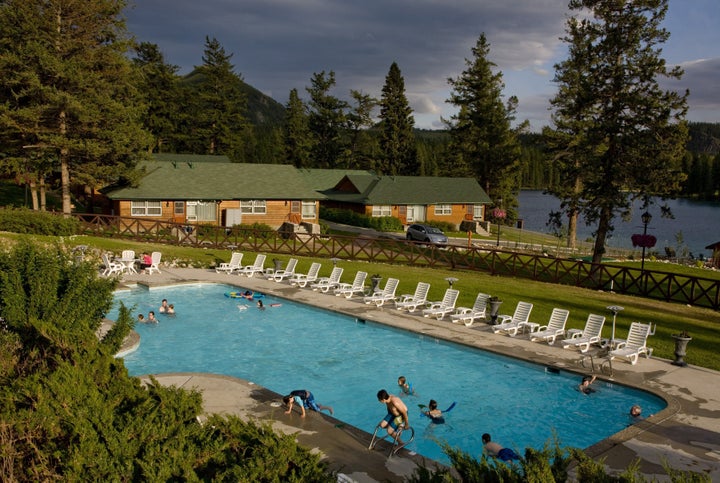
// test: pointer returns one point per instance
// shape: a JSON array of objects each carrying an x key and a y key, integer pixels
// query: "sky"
[{"x": 278, "y": 45}]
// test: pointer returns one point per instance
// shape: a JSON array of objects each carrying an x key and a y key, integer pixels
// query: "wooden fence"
[{"x": 666, "y": 286}]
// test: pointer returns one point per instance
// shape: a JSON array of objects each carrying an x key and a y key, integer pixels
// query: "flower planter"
[
  {"x": 278, "y": 264},
  {"x": 375, "y": 284},
  {"x": 681, "y": 343}
]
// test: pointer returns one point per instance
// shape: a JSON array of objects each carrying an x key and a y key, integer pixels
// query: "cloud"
[{"x": 279, "y": 44}]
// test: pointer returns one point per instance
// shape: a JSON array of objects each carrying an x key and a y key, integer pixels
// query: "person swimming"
[
  {"x": 434, "y": 413},
  {"x": 405, "y": 386}
]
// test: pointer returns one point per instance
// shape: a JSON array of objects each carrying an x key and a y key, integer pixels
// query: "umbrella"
[{"x": 614, "y": 309}]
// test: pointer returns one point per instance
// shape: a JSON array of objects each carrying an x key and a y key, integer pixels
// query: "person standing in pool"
[
  {"x": 397, "y": 413},
  {"x": 304, "y": 399},
  {"x": 163, "y": 306},
  {"x": 493, "y": 449}
]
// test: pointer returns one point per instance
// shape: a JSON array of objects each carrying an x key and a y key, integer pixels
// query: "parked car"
[{"x": 427, "y": 234}]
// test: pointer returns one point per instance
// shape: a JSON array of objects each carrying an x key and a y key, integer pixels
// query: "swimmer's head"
[
  {"x": 432, "y": 404},
  {"x": 401, "y": 381},
  {"x": 635, "y": 410}
]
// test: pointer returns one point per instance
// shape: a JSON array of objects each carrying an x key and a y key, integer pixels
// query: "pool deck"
[{"x": 686, "y": 434}]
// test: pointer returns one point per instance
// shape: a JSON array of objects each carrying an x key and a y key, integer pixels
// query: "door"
[
  {"x": 415, "y": 213},
  {"x": 179, "y": 212}
]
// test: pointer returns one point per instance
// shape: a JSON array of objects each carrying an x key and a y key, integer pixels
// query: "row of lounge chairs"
[{"x": 629, "y": 349}]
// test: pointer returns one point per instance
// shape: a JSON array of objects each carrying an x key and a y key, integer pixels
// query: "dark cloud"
[{"x": 279, "y": 44}]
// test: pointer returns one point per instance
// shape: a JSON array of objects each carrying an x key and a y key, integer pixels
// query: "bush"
[
  {"x": 441, "y": 225},
  {"x": 23, "y": 220},
  {"x": 349, "y": 217}
]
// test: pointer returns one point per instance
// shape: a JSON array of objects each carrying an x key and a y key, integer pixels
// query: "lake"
[{"x": 697, "y": 221}]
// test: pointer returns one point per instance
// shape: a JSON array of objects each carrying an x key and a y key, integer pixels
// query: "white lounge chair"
[
  {"x": 554, "y": 328},
  {"x": 635, "y": 345},
  {"x": 511, "y": 324},
  {"x": 411, "y": 302},
  {"x": 324, "y": 284},
  {"x": 280, "y": 275},
  {"x": 111, "y": 267},
  {"x": 467, "y": 315},
  {"x": 302, "y": 279},
  {"x": 155, "y": 265},
  {"x": 591, "y": 334},
  {"x": 234, "y": 264},
  {"x": 257, "y": 267},
  {"x": 347, "y": 290},
  {"x": 386, "y": 295},
  {"x": 444, "y": 307}
]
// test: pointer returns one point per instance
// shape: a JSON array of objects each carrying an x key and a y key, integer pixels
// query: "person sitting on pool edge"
[
  {"x": 434, "y": 413},
  {"x": 497, "y": 451},
  {"x": 405, "y": 386},
  {"x": 584, "y": 386},
  {"x": 304, "y": 399}
]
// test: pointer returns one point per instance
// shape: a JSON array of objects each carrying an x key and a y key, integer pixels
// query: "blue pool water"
[{"x": 344, "y": 362}]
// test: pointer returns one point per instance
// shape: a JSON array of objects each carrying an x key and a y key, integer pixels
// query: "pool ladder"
[{"x": 396, "y": 438}]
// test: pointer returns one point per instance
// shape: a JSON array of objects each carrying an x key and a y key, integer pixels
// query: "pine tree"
[
  {"x": 68, "y": 98},
  {"x": 327, "y": 121},
  {"x": 483, "y": 142},
  {"x": 297, "y": 137},
  {"x": 220, "y": 122},
  {"x": 397, "y": 141},
  {"x": 159, "y": 84},
  {"x": 619, "y": 136},
  {"x": 362, "y": 146}
]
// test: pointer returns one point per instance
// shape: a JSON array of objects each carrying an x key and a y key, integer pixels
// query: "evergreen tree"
[
  {"x": 297, "y": 139},
  {"x": 159, "y": 84},
  {"x": 361, "y": 149},
  {"x": 623, "y": 137},
  {"x": 327, "y": 121},
  {"x": 68, "y": 98},
  {"x": 483, "y": 142},
  {"x": 220, "y": 121},
  {"x": 397, "y": 141}
]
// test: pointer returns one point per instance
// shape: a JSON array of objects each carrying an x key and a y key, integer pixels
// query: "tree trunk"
[
  {"x": 601, "y": 235},
  {"x": 572, "y": 229},
  {"x": 33, "y": 193},
  {"x": 43, "y": 198}
]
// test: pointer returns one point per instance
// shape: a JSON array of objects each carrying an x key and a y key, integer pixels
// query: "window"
[
  {"x": 179, "y": 208},
  {"x": 308, "y": 210},
  {"x": 256, "y": 207},
  {"x": 201, "y": 211},
  {"x": 382, "y": 210},
  {"x": 145, "y": 208},
  {"x": 478, "y": 212},
  {"x": 443, "y": 209}
]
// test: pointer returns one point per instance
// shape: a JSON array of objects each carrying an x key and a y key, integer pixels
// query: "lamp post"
[
  {"x": 646, "y": 218},
  {"x": 499, "y": 214}
]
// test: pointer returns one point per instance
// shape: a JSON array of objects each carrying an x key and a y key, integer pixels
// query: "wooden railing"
[{"x": 666, "y": 286}]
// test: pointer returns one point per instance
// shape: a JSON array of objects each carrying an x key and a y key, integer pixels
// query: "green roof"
[
  {"x": 194, "y": 178},
  {"x": 324, "y": 179},
  {"x": 411, "y": 190}
]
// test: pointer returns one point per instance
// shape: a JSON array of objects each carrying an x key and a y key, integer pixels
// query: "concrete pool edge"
[{"x": 684, "y": 434}]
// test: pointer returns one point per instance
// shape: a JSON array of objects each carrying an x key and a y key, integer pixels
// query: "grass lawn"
[{"x": 702, "y": 324}]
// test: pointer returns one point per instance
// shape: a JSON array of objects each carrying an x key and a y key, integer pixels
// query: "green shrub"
[
  {"x": 23, "y": 220},
  {"x": 441, "y": 225},
  {"x": 349, "y": 217}
]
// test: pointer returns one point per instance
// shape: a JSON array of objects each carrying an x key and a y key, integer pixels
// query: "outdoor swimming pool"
[{"x": 344, "y": 362}]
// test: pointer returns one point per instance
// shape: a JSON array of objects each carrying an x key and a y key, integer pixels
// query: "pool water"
[{"x": 344, "y": 362}]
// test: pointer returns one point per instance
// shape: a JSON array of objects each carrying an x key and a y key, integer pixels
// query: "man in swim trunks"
[
  {"x": 397, "y": 413},
  {"x": 304, "y": 399},
  {"x": 494, "y": 449}
]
